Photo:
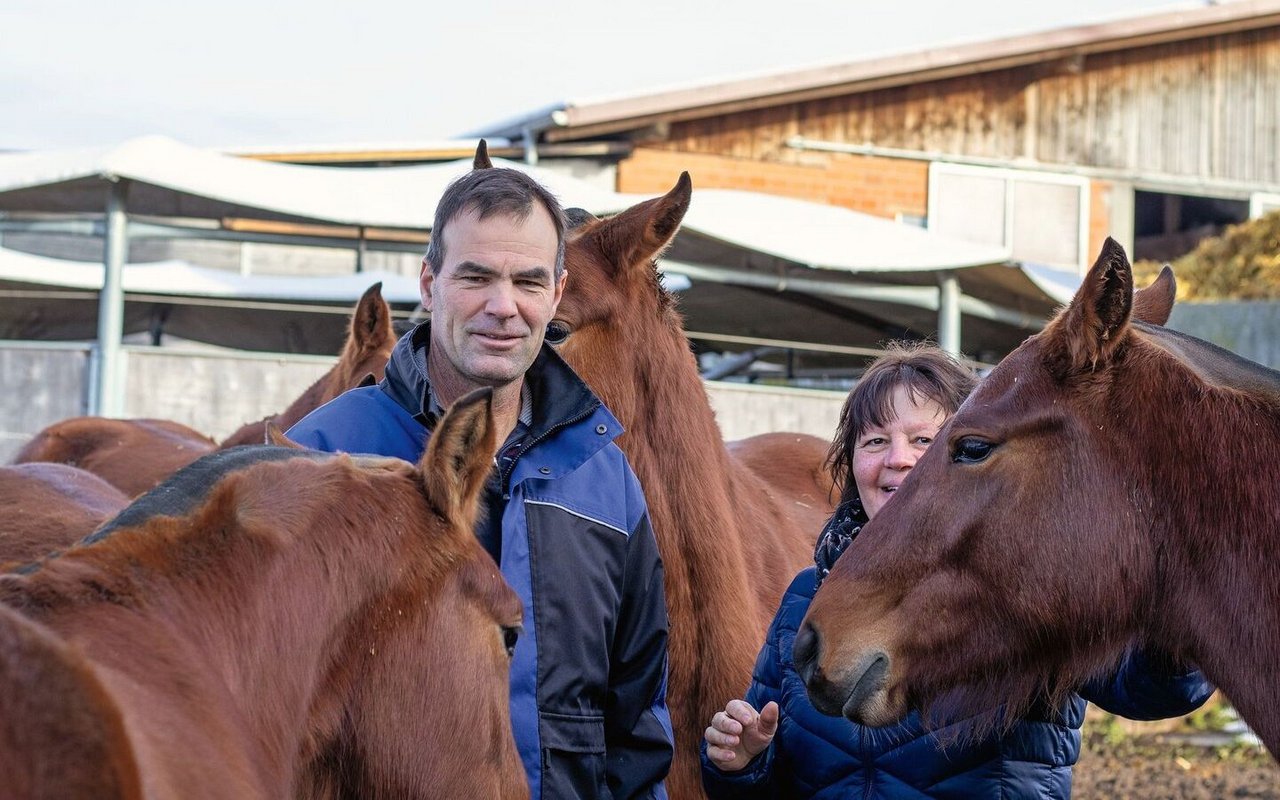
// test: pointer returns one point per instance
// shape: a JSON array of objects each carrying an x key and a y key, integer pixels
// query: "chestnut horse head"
[
  {"x": 273, "y": 622},
  {"x": 370, "y": 338},
  {"x": 1112, "y": 484},
  {"x": 731, "y": 538},
  {"x": 50, "y": 506}
]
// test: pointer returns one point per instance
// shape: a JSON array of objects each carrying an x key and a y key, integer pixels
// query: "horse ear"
[
  {"x": 371, "y": 323},
  {"x": 1154, "y": 303},
  {"x": 271, "y": 434},
  {"x": 459, "y": 457},
  {"x": 481, "y": 161},
  {"x": 1090, "y": 330},
  {"x": 640, "y": 234}
]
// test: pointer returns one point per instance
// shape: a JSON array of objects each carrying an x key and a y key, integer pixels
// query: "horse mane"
[{"x": 1216, "y": 365}]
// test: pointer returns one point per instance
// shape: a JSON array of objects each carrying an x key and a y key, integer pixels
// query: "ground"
[{"x": 1185, "y": 759}]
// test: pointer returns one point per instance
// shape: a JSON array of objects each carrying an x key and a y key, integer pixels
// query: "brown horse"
[
  {"x": 1111, "y": 484},
  {"x": 135, "y": 455},
  {"x": 731, "y": 538},
  {"x": 132, "y": 455},
  {"x": 271, "y": 622},
  {"x": 370, "y": 338},
  {"x": 49, "y": 506}
]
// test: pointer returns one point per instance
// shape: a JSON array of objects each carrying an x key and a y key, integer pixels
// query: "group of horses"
[{"x": 273, "y": 622}]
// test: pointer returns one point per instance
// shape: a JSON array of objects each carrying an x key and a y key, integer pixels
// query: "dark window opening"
[{"x": 1166, "y": 226}]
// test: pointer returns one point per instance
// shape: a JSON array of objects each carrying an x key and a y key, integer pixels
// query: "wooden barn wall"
[{"x": 1208, "y": 108}]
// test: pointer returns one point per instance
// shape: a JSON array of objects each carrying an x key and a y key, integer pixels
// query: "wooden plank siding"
[{"x": 1207, "y": 108}]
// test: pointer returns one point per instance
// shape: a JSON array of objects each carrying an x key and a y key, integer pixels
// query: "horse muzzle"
[{"x": 856, "y": 695}]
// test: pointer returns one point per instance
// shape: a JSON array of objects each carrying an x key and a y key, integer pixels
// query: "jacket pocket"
[{"x": 573, "y": 756}]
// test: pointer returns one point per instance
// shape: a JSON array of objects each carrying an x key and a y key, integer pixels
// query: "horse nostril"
[{"x": 805, "y": 652}]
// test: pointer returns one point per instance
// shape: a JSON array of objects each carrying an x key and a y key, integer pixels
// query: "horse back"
[
  {"x": 791, "y": 469},
  {"x": 52, "y": 506},
  {"x": 61, "y": 735},
  {"x": 131, "y": 454}
]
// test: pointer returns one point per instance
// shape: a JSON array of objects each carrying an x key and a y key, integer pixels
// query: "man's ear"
[{"x": 426, "y": 282}]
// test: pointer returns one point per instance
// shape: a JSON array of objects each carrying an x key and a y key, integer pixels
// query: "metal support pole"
[
  {"x": 360, "y": 248},
  {"x": 530, "y": 136},
  {"x": 949, "y": 313},
  {"x": 106, "y": 396}
]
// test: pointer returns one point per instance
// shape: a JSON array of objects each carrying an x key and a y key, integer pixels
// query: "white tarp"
[
  {"x": 176, "y": 180},
  {"x": 183, "y": 279}
]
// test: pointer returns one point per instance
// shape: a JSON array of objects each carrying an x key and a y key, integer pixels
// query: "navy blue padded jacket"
[{"x": 816, "y": 756}]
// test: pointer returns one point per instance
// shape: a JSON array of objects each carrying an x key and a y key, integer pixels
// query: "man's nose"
[{"x": 501, "y": 301}]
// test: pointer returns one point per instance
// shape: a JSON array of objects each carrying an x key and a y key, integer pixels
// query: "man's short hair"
[{"x": 497, "y": 190}]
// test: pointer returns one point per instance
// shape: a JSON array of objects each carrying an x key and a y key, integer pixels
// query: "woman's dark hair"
[{"x": 927, "y": 371}]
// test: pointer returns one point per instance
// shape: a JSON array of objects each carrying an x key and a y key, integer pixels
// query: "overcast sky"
[{"x": 241, "y": 72}]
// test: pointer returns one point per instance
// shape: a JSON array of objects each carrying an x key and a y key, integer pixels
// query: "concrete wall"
[
  {"x": 43, "y": 383},
  {"x": 744, "y": 410},
  {"x": 217, "y": 392},
  {"x": 1249, "y": 329}
]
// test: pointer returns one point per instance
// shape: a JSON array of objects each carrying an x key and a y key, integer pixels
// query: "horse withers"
[
  {"x": 1111, "y": 485},
  {"x": 270, "y": 623}
]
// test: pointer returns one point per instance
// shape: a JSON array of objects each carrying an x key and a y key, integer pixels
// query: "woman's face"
[{"x": 882, "y": 456}]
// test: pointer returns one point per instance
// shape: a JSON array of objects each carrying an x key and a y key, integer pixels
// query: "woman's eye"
[
  {"x": 971, "y": 450},
  {"x": 557, "y": 332}
]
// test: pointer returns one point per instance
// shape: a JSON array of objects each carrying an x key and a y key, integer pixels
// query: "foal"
[
  {"x": 269, "y": 623},
  {"x": 1111, "y": 484},
  {"x": 733, "y": 523}
]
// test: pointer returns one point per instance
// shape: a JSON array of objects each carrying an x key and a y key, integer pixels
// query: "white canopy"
[
  {"x": 756, "y": 260},
  {"x": 168, "y": 179}
]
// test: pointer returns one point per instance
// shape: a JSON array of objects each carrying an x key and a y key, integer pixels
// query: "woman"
[{"x": 774, "y": 743}]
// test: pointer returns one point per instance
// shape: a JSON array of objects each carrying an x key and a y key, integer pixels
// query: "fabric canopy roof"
[
  {"x": 801, "y": 257},
  {"x": 169, "y": 179}
]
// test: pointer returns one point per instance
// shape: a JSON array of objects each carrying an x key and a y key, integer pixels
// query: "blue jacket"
[
  {"x": 813, "y": 755},
  {"x": 588, "y": 680}
]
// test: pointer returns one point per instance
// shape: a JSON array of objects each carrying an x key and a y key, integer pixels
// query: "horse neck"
[
  {"x": 244, "y": 642},
  {"x": 1213, "y": 488},
  {"x": 698, "y": 511}
]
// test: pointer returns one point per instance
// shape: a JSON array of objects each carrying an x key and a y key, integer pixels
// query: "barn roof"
[{"x": 575, "y": 120}]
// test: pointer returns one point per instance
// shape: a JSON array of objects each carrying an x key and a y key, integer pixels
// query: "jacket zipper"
[{"x": 506, "y": 473}]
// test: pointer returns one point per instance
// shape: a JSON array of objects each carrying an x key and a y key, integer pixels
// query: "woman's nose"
[{"x": 900, "y": 455}]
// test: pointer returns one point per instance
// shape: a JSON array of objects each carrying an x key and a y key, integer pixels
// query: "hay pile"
[{"x": 1241, "y": 264}]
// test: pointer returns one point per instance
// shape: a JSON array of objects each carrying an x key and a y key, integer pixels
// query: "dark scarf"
[{"x": 836, "y": 535}]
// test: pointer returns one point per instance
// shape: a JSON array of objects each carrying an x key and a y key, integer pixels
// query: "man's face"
[{"x": 492, "y": 300}]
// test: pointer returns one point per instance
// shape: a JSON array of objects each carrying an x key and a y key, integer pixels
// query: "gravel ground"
[{"x": 1154, "y": 761}]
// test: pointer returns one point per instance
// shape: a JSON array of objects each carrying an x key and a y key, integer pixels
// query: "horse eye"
[
  {"x": 971, "y": 450},
  {"x": 510, "y": 635},
  {"x": 557, "y": 332}
]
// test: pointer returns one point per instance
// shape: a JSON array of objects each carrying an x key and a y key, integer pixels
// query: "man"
[{"x": 566, "y": 520}]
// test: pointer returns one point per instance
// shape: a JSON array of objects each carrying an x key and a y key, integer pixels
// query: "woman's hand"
[{"x": 739, "y": 733}]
